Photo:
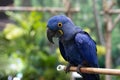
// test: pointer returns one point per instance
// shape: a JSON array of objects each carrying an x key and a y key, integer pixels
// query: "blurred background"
[{"x": 25, "y": 52}]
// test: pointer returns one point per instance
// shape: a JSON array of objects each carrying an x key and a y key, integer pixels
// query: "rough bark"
[
  {"x": 107, "y": 5},
  {"x": 98, "y": 24},
  {"x": 42, "y": 9},
  {"x": 108, "y": 45},
  {"x": 67, "y": 5}
]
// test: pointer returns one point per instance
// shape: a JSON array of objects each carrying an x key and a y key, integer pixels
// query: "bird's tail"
[{"x": 90, "y": 76}]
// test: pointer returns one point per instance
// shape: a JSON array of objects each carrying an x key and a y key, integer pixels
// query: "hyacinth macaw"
[{"x": 76, "y": 46}]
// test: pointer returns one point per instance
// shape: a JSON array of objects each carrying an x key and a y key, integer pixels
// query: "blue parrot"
[{"x": 76, "y": 46}]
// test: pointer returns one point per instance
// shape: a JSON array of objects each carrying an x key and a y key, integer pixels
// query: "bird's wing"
[
  {"x": 87, "y": 48},
  {"x": 61, "y": 47}
]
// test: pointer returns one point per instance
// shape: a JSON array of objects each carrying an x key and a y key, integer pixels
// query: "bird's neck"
[{"x": 70, "y": 33}]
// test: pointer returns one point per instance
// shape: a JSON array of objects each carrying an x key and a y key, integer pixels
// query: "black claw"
[
  {"x": 68, "y": 68},
  {"x": 78, "y": 69}
]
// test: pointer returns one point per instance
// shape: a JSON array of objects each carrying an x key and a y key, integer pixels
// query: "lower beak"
[{"x": 50, "y": 35}]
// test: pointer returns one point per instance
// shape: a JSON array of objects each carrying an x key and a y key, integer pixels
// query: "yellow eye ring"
[{"x": 59, "y": 24}]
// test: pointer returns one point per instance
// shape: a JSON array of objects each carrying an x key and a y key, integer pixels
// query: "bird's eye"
[{"x": 59, "y": 24}]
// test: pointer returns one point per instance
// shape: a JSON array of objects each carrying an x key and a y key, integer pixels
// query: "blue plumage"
[{"x": 76, "y": 46}]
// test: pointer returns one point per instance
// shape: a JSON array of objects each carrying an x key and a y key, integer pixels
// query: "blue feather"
[
  {"x": 81, "y": 49},
  {"x": 87, "y": 48}
]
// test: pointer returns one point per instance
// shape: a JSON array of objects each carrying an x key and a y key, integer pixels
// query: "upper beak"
[{"x": 50, "y": 35}]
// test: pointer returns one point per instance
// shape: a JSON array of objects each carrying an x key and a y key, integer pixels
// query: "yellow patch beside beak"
[{"x": 61, "y": 32}]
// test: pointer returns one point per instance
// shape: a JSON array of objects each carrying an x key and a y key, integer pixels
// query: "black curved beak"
[{"x": 50, "y": 35}]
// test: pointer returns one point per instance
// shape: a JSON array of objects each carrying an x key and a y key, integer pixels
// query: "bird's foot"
[
  {"x": 78, "y": 69},
  {"x": 68, "y": 68}
]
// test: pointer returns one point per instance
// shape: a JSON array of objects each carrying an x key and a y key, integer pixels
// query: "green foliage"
[
  {"x": 116, "y": 46},
  {"x": 25, "y": 42},
  {"x": 116, "y": 77}
]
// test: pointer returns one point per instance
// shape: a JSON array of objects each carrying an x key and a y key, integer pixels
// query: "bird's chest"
[
  {"x": 72, "y": 52},
  {"x": 70, "y": 48}
]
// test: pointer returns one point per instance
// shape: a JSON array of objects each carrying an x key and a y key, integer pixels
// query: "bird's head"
[{"x": 59, "y": 26}]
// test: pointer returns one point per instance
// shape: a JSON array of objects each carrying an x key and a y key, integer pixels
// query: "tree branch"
[
  {"x": 67, "y": 5},
  {"x": 111, "y": 4},
  {"x": 117, "y": 19},
  {"x": 98, "y": 24},
  {"x": 45, "y": 9},
  {"x": 90, "y": 70},
  {"x": 114, "y": 11}
]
